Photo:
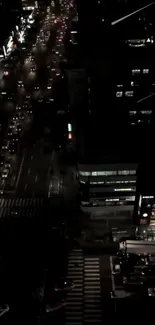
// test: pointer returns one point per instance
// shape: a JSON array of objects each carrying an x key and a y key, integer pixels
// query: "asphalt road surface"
[{"x": 33, "y": 177}]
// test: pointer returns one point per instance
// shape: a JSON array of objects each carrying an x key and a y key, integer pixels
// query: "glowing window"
[
  {"x": 146, "y": 112},
  {"x": 119, "y": 93},
  {"x": 135, "y": 71},
  {"x": 145, "y": 71},
  {"x": 129, "y": 93},
  {"x": 132, "y": 112}
]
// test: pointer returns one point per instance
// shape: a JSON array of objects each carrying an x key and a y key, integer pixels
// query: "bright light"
[
  {"x": 69, "y": 127},
  {"x": 69, "y": 136},
  {"x": 4, "y": 50},
  {"x": 145, "y": 215},
  {"x": 123, "y": 189}
]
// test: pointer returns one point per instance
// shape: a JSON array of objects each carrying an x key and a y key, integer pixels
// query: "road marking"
[
  {"x": 31, "y": 157},
  {"x": 112, "y": 277},
  {"x": 36, "y": 178},
  {"x": 25, "y": 187},
  {"x": 20, "y": 170},
  {"x": 131, "y": 14},
  {"x": 29, "y": 171}
]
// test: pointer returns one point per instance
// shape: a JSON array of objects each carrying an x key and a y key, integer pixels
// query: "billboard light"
[{"x": 69, "y": 127}]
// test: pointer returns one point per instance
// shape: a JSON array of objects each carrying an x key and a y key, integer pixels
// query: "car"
[
  {"x": 20, "y": 84},
  {"x": 18, "y": 108},
  {"x": 10, "y": 96},
  {"x": 1, "y": 161},
  {"x": 12, "y": 125},
  {"x": 29, "y": 111},
  {"x": 12, "y": 147},
  {"x": 7, "y": 164},
  {"x": 1, "y": 191},
  {"x": 40, "y": 99},
  {"x": 151, "y": 292},
  {"x": 18, "y": 128},
  {"x": 16, "y": 117},
  {"x": 64, "y": 285},
  {"x": 5, "y": 173},
  {"x": 116, "y": 269},
  {"x": 21, "y": 116},
  {"x": 10, "y": 133},
  {"x": 15, "y": 138},
  {"x": 24, "y": 106},
  {"x": 55, "y": 306},
  {"x": 36, "y": 87},
  {"x": 49, "y": 86},
  {"x": 32, "y": 69},
  {"x": 5, "y": 145}
]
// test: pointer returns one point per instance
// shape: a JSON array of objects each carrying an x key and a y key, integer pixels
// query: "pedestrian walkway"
[
  {"x": 74, "y": 308},
  {"x": 15, "y": 205},
  {"x": 92, "y": 291}
]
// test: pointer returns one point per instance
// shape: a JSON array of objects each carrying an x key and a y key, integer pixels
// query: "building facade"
[{"x": 108, "y": 189}]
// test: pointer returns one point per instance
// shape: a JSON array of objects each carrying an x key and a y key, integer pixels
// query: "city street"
[{"x": 33, "y": 176}]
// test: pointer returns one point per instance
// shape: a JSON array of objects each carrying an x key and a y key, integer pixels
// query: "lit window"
[
  {"x": 148, "y": 197},
  {"x": 126, "y": 172},
  {"x": 129, "y": 93},
  {"x": 132, "y": 112},
  {"x": 135, "y": 71},
  {"x": 146, "y": 112},
  {"x": 94, "y": 173},
  {"x": 104, "y": 173},
  {"x": 119, "y": 93},
  {"x": 123, "y": 189},
  {"x": 145, "y": 71},
  {"x": 84, "y": 173},
  {"x": 111, "y": 200},
  {"x": 119, "y": 86},
  {"x": 132, "y": 83},
  {"x": 94, "y": 183}
]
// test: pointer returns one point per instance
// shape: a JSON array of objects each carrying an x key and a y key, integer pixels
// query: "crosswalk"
[
  {"x": 92, "y": 291},
  {"x": 24, "y": 206},
  {"x": 84, "y": 301},
  {"x": 74, "y": 308},
  {"x": 20, "y": 202}
]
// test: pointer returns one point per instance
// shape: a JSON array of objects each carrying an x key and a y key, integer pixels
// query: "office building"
[
  {"x": 108, "y": 189},
  {"x": 120, "y": 72}
]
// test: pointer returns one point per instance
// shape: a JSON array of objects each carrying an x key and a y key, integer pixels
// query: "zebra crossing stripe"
[
  {"x": 73, "y": 323},
  {"x": 95, "y": 321},
  {"x": 74, "y": 312},
  {"x": 92, "y": 266},
  {"x": 92, "y": 283},
  {"x": 77, "y": 303},
  {"x": 73, "y": 265},
  {"x": 91, "y": 259},
  {"x": 75, "y": 293},
  {"x": 91, "y": 306}
]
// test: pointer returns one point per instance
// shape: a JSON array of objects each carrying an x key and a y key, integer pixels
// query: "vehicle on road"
[
  {"x": 56, "y": 306},
  {"x": 64, "y": 285}
]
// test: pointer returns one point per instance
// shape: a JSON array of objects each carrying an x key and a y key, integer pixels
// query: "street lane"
[{"x": 34, "y": 177}]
